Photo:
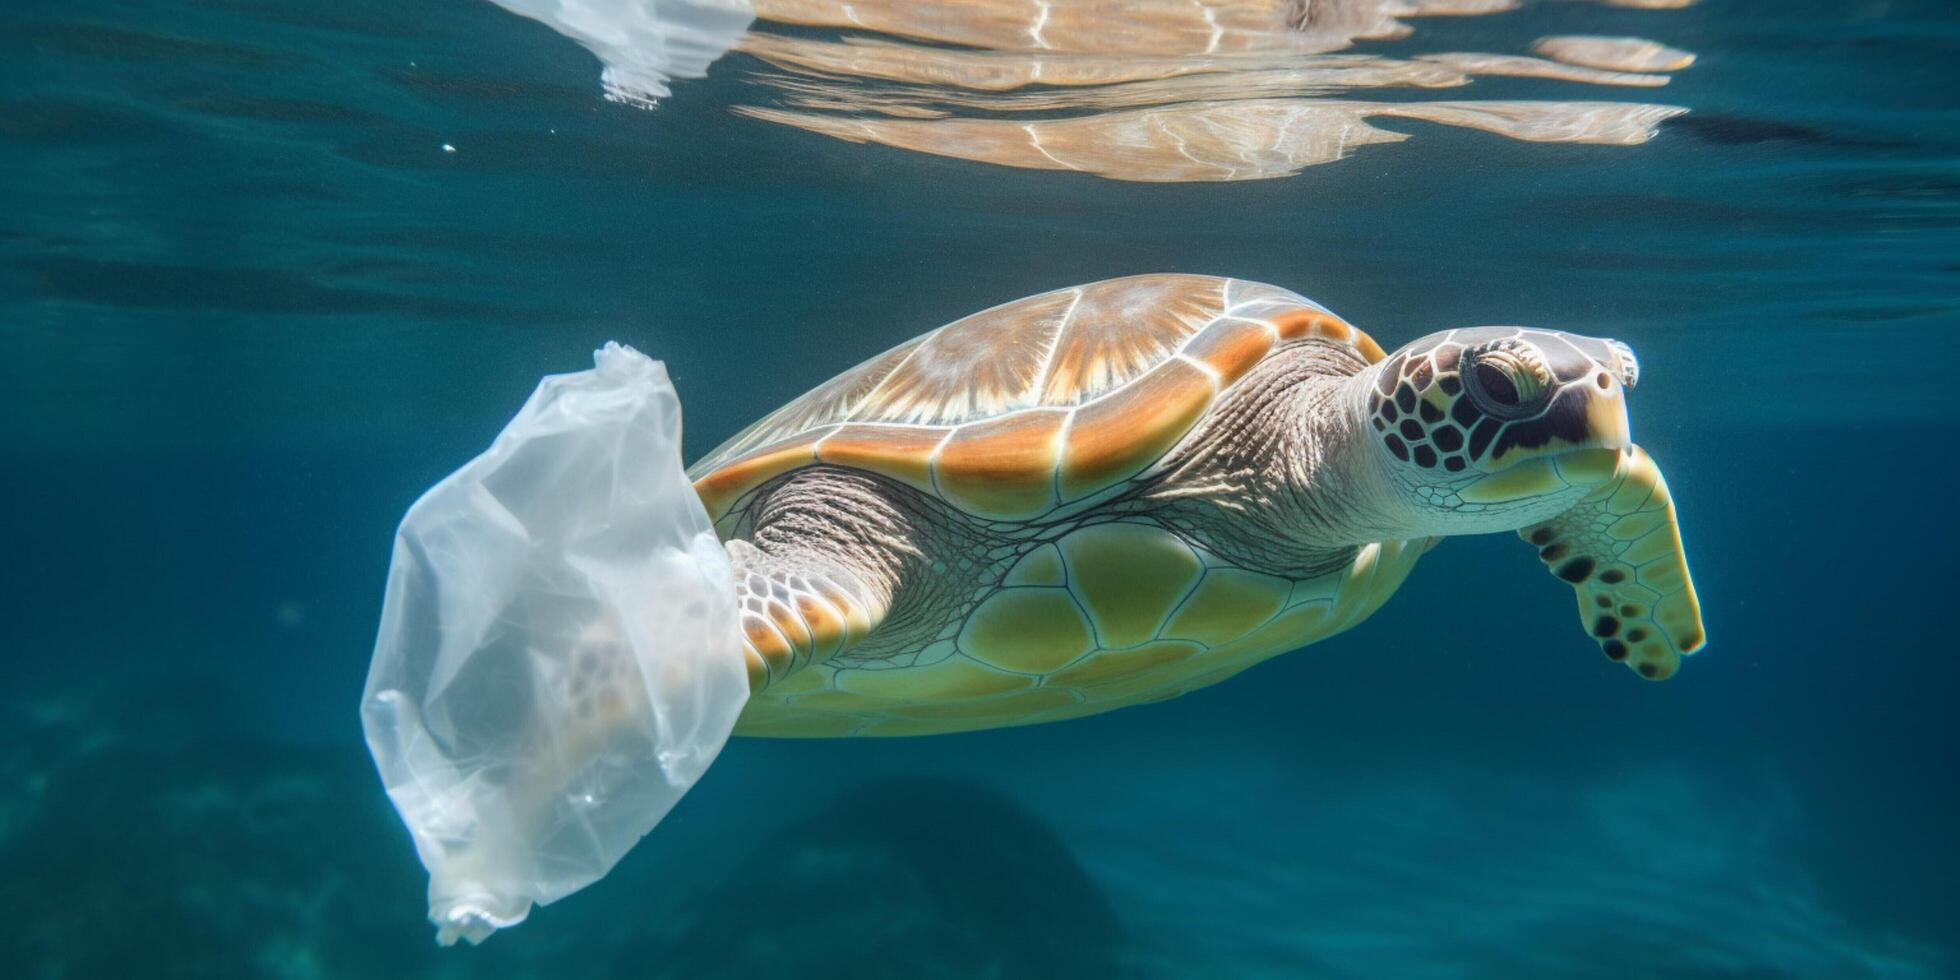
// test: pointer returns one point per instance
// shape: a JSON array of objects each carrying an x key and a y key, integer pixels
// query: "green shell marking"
[{"x": 1108, "y": 615}]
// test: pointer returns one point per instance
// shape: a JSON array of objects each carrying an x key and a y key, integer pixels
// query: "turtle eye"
[
  {"x": 1496, "y": 386},
  {"x": 1507, "y": 379}
]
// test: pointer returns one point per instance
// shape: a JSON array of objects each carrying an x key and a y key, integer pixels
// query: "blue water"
[{"x": 250, "y": 307}]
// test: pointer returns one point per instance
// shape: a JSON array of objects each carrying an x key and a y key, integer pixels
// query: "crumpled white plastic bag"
[{"x": 558, "y": 658}]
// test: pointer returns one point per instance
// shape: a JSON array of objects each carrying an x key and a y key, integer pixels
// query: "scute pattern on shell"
[
  {"x": 1008, "y": 413},
  {"x": 1108, "y": 615}
]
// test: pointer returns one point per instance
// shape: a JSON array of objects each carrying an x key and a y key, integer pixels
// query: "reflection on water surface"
[{"x": 1159, "y": 90}]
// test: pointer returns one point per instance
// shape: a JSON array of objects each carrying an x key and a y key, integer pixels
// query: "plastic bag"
[
  {"x": 644, "y": 43},
  {"x": 558, "y": 658}
]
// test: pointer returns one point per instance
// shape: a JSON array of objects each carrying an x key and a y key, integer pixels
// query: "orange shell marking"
[
  {"x": 1231, "y": 347},
  {"x": 1121, "y": 434},
  {"x": 1300, "y": 324},
  {"x": 982, "y": 467},
  {"x": 903, "y": 452},
  {"x": 727, "y": 484},
  {"x": 1034, "y": 404}
]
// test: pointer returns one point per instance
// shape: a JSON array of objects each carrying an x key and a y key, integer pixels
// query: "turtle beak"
[
  {"x": 1594, "y": 431},
  {"x": 1607, "y": 425},
  {"x": 1541, "y": 476}
]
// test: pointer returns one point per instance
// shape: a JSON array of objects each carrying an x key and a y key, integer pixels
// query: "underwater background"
[{"x": 270, "y": 268}]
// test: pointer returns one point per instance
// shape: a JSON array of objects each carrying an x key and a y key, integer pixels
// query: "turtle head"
[{"x": 1493, "y": 428}]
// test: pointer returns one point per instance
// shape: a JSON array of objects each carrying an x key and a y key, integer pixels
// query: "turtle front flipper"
[
  {"x": 816, "y": 569},
  {"x": 1620, "y": 548},
  {"x": 798, "y": 608}
]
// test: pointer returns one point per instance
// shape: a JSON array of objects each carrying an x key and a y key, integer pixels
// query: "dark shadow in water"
[
  {"x": 1729, "y": 130},
  {"x": 913, "y": 878}
]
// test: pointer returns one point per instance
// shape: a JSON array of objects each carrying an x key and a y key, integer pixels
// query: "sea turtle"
[{"x": 1123, "y": 491}]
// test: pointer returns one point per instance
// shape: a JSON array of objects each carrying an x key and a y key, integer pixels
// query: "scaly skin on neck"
[
  {"x": 1279, "y": 478},
  {"x": 1344, "y": 490}
]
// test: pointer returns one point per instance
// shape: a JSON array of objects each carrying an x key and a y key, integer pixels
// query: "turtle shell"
[{"x": 1034, "y": 405}]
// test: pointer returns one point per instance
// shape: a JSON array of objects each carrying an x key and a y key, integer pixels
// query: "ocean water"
[{"x": 270, "y": 268}]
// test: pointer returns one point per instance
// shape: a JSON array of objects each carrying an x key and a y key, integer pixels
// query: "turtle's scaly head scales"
[{"x": 1491, "y": 428}]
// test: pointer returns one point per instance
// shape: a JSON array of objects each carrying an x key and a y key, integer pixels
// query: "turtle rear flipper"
[{"x": 1620, "y": 548}]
